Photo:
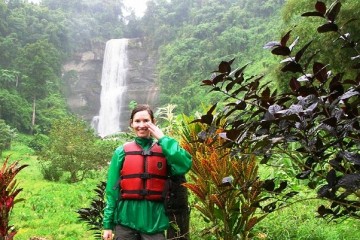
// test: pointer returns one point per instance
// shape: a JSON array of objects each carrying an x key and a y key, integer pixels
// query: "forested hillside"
[
  {"x": 194, "y": 36},
  {"x": 189, "y": 37},
  {"x": 270, "y": 95},
  {"x": 34, "y": 42}
]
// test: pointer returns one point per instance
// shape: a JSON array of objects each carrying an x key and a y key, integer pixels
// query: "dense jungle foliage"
[
  {"x": 34, "y": 42},
  {"x": 188, "y": 37},
  {"x": 314, "y": 113}
]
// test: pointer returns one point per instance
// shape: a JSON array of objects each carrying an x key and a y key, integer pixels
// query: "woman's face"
[{"x": 139, "y": 123}]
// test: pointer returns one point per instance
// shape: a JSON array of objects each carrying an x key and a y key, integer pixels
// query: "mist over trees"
[
  {"x": 193, "y": 36},
  {"x": 188, "y": 37},
  {"x": 34, "y": 42},
  {"x": 288, "y": 113}
]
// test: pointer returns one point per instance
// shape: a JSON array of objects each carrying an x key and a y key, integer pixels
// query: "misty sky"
[{"x": 138, "y": 6}]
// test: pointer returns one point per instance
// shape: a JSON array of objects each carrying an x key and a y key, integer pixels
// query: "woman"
[{"x": 136, "y": 181}]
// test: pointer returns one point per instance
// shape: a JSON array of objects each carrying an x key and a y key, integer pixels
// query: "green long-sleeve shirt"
[{"x": 145, "y": 216}]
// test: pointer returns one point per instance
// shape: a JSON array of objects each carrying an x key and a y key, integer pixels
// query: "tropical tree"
[
  {"x": 52, "y": 107},
  {"x": 291, "y": 15},
  {"x": 317, "y": 118},
  {"x": 9, "y": 48},
  {"x": 193, "y": 36},
  {"x": 88, "y": 22},
  {"x": 6, "y": 136},
  {"x": 40, "y": 62},
  {"x": 72, "y": 148},
  {"x": 9, "y": 79}
]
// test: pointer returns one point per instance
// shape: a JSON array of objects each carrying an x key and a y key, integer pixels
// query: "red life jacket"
[{"x": 144, "y": 173}]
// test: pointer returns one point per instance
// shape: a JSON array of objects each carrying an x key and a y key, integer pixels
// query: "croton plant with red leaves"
[{"x": 8, "y": 194}]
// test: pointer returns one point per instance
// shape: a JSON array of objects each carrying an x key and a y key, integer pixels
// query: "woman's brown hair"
[{"x": 142, "y": 107}]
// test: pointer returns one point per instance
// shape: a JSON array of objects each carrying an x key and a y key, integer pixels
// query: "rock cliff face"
[{"x": 82, "y": 78}]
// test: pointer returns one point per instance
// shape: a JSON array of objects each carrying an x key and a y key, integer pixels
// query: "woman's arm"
[
  {"x": 112, "y": 188},
  {"x": 178, "y": 158}
]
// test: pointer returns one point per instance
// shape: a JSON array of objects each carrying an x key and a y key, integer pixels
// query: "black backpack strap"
[
  {"x": 166, "y": 195},
  {"x": 177, "y": 195}
]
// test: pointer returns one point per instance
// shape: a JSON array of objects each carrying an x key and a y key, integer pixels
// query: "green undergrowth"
[
  {"x": 48, "y": 211},
  {"x": 300, "y": 221}
]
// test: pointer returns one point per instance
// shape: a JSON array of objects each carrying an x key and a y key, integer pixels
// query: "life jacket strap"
[
  {"x": 145, "y": 153},
  {"x": 143, "y": 176},
  {"x": 142, "y": 192}
]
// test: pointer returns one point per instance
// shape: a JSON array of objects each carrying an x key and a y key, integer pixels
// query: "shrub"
[
  {"x": 72, "y": 148},
  {"x": 318, "y": 115},
  {"x": 8, "y": 194},
  {"x": 6, "y": 135},
  {"x": 229, "y": 193},
  {"x": 93, "y": 215},
  {"x": 38, "y": 142}
]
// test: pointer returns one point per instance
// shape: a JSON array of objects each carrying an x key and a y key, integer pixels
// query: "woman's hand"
[
  {"x": 155, "y": 131},
  {"x": 107, "y": 235}
]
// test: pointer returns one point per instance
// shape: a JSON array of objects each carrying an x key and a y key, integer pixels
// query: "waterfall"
[{"x": 113, "y": 85}]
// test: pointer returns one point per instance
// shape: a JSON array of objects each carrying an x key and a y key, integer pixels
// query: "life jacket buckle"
[
  {"x": 146, "y": 152},
  {"x": 144, "y": 192},
  {"x": 145, "y": 176}
]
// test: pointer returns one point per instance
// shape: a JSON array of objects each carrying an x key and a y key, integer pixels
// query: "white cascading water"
[{"x": 113, "y": 85}]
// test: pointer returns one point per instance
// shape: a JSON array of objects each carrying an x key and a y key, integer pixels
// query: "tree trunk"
[
  {"x": 178, "y": 210},
  {"x": 33, "y": 116},
  {"x": 73, "y": 177}
]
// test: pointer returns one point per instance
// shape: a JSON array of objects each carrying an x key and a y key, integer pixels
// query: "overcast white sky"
[{"x": 139, "y": 6}]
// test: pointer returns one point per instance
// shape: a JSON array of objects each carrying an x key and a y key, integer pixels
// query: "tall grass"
[
  {"x": 300, "y": 222},
  {"x": 49, "y": 211}
]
